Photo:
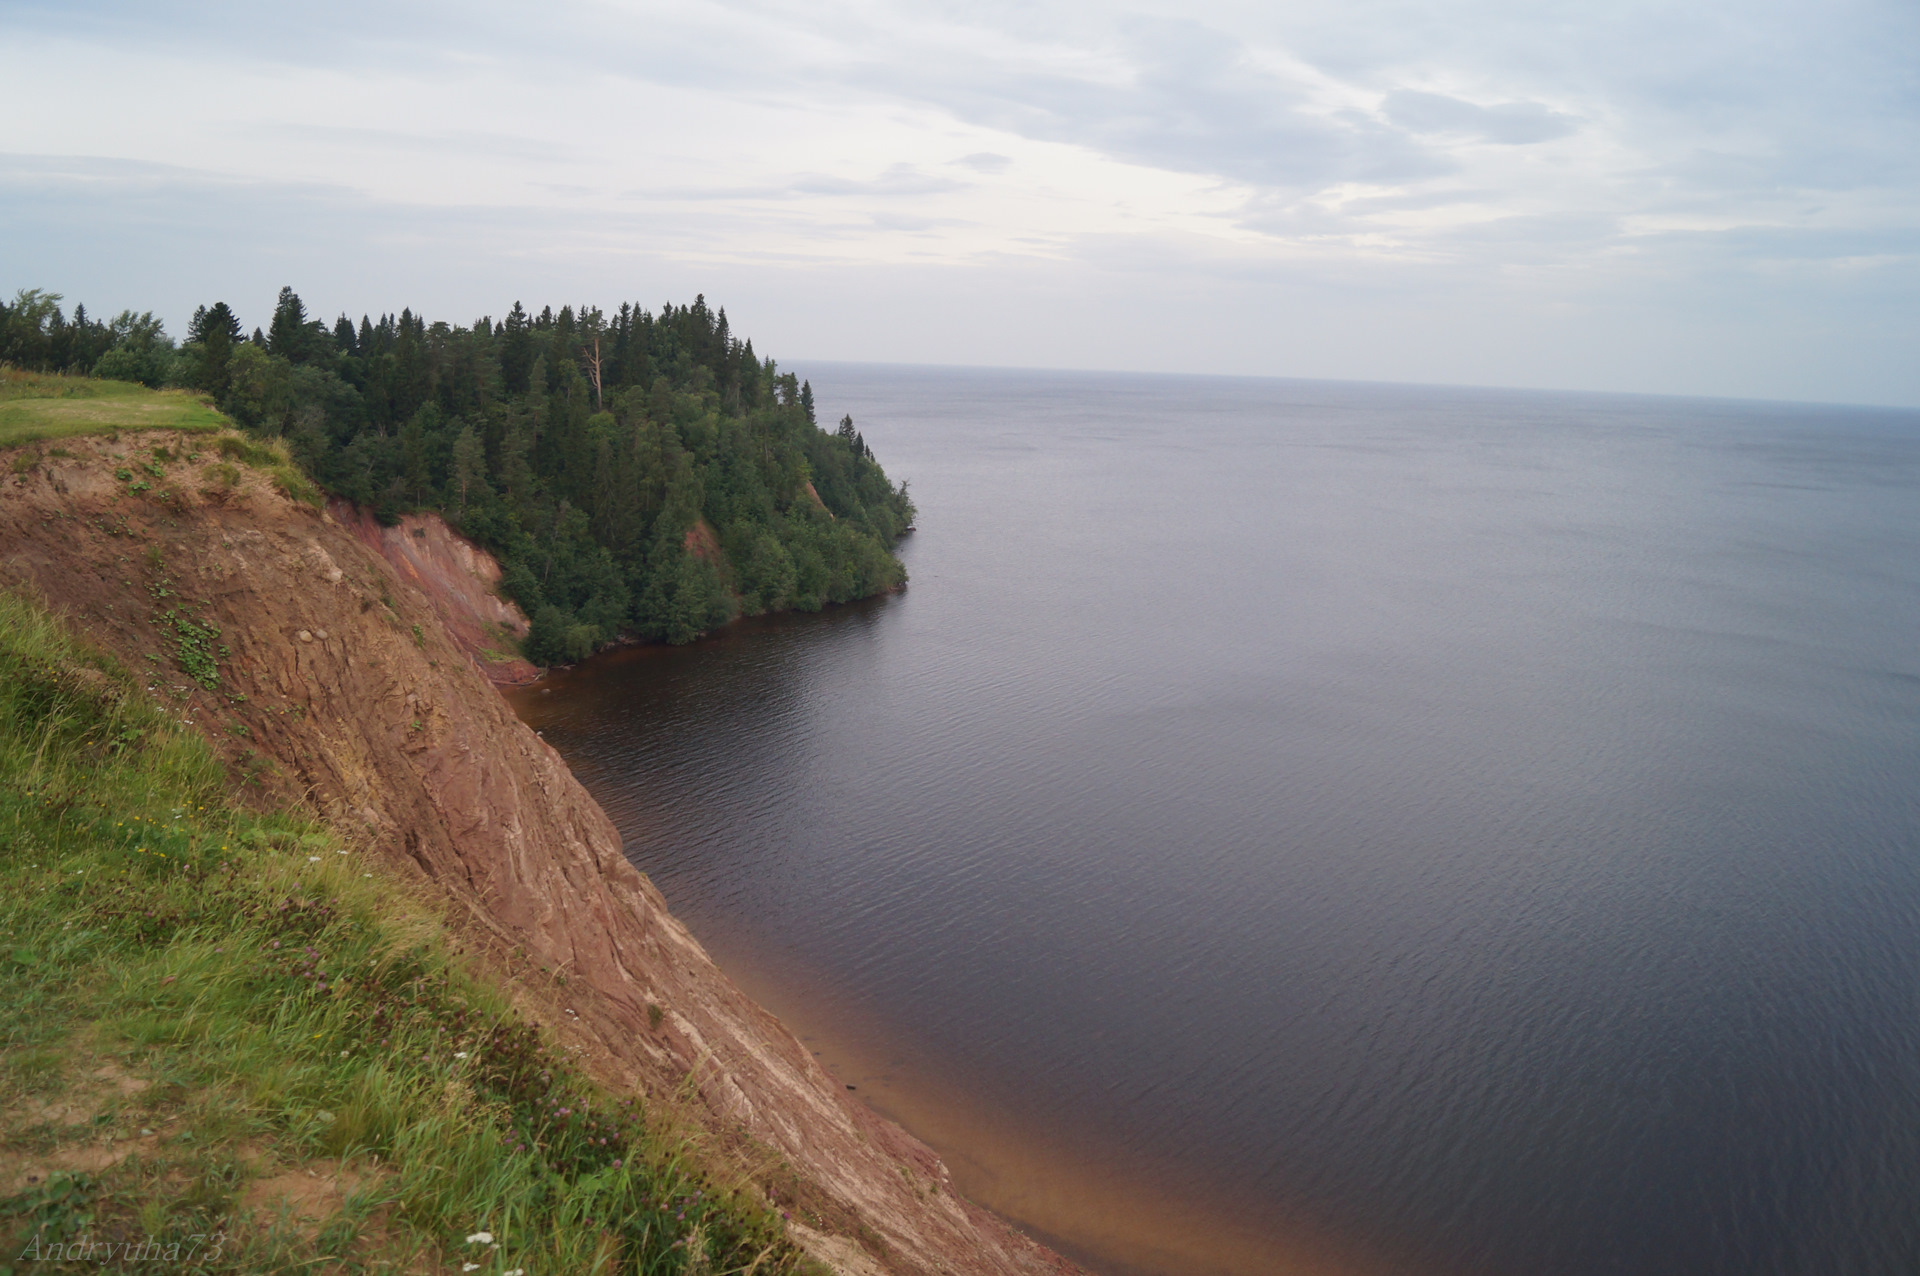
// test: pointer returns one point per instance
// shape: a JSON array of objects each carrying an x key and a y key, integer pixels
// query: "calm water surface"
[{"x": 1337, "y": 828}]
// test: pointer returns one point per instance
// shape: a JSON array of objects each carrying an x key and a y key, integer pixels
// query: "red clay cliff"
[{"x": 358, "y": 683}]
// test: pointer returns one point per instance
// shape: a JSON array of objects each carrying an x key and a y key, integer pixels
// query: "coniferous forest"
[{"x": 636, "y": 473}]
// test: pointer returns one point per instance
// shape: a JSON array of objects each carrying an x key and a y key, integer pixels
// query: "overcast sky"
[{"x": 1712, "y": 197}]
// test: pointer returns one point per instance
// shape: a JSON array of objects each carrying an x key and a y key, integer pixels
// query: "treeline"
[{"x": 635, "y": 472}]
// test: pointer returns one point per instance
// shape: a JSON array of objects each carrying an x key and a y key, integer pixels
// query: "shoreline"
[
  {"x": 1115, "y": 1220},
  {"x": 632, "y": 642}
]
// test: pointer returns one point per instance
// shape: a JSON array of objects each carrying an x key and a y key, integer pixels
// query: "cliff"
[
  {"x": 458, "y": 578},
  {"x": 311, "y": 649}
]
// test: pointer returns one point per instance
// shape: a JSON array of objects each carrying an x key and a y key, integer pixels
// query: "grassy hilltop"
[{"x": 36, "y": 406}]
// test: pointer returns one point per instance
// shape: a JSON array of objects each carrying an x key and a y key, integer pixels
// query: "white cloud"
[{"x": 1509, "y": 123}]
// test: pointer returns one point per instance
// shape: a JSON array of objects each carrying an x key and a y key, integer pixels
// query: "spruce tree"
[{"x": 287, "y": 334}]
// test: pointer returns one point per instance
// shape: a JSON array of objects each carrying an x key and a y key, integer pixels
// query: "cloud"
[
  {"x": 899, "y": 181},
  {"x": 985, "y": 162},
  {"x": 1509, "y": 123},
  {"x": 1169, "y": 93},
  {"x": 481, "y": 145}
]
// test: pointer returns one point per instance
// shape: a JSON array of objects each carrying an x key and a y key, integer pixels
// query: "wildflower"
[
  {"x": 480, "y": 1238},
  {"x": 313, "y": 859},
  {"x": 469, "y": 1267},
  {"x": 461, "y": 1054}
]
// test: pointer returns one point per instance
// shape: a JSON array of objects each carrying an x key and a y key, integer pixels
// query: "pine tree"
[
  {"x": 287, "y": 334},
  {"x": 216, "y": 322},
  {"x": 215, "y": 331}
]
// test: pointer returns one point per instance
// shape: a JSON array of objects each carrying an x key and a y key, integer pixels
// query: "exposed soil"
[
  {"x": 459, "y": 578},
  {"x": 306, "y": 1196},
  {"x": 105, "y": 1088},
  {"x": 338, "y": 686},
  {"x": 703, "y": 542}
]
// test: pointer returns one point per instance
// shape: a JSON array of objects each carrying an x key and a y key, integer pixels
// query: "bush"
[{"x": 557, "y": 637}]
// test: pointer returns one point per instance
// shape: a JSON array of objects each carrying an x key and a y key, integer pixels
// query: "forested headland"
[{"x": 636, "y": 473}]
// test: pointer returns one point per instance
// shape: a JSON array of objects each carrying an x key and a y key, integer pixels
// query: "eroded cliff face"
[
  {"x": 339, "y": 686},
  {"x": 456, "y": 576}
]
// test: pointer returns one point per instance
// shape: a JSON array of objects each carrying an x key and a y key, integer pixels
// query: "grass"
[
  {"x": 228, "y": 1045},
  {"x": 35, "y": 406},
  {"x": 272, "y": 457}
]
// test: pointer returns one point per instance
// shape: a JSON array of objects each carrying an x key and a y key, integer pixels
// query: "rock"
[{"x": 304, "y": 636}]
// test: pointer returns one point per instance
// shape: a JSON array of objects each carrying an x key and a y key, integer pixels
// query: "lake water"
[{"x": 1338, "y": 828}]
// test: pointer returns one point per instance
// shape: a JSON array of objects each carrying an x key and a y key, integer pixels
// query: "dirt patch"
[
  {"x": 117, "y": 1080},
  {"x": 105, "y": 1088},
  {"x": 20, "y": 1172},
  {"x": 702, "y": 542},
  {"x": 106, "y": 1085},
  {"x": 307, "y": 1196}
]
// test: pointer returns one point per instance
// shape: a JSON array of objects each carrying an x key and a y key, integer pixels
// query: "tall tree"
[{"x": 469, "y": 467}]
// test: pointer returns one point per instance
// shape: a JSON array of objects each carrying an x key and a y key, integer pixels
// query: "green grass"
[
  {"x": 201, "y": 1003},
  {"x": 272, "y": 457},
  {"x": 36, "y": 406}
]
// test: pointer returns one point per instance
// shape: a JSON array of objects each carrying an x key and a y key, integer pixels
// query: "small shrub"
[
  {"x": 237, "y": 447},
  {"x": 297, "y": 487}
]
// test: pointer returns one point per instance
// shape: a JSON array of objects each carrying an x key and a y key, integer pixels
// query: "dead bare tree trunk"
[{"x": 593, "y": 373}]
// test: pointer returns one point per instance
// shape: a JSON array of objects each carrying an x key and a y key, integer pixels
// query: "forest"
[{"x": 637, "y": 473}]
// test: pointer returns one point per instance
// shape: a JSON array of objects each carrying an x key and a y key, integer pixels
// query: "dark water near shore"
[{"x": 1334, "y": 827}]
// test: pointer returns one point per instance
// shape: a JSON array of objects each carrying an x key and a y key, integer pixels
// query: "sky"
[{"x": 1718, "y": 197}]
